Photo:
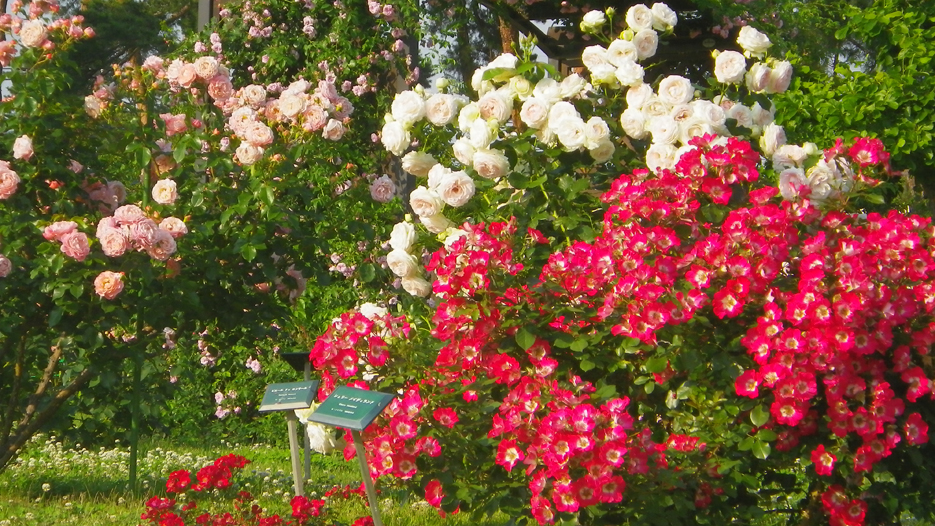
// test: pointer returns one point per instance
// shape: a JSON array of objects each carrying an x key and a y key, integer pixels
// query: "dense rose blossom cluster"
[
  {"x": 36, "y": 30},
  {"x": 218, "y": 477},
  {"x": 357, "y": 338}
]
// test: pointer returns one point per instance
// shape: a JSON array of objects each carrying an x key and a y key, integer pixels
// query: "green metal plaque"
[
  {"x": 288, "y": 396},
  {"x": 351, "y": 408}
]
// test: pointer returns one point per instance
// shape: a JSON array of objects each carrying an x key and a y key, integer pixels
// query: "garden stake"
[
  {"x": 294, "y": 453},
  {"x": 368, "y": 481}
]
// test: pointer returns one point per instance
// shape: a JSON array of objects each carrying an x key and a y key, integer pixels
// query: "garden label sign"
[
  {"x": 355, "y": 409},
  {"x": 351, "y": 408},
  {"x": 288, "y": 397}
]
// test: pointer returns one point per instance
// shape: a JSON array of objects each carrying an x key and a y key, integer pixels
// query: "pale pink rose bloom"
[
  {"x": 162, "y": 247},
  {"x": 118, "y": 191},
  {"x": 100, "y": 192},
  {"x": 75, "y": 166},
  {"x": 174, "y": 123},
  {"x": 108, "y": 284},
  {"x": 55, "y": 231},
  {"x": 8, "y": 180},
  {"x": 206, "y": 67},
  {"x": 165, "y": 192},
  {"x": 248, "y": 154},
  {"x": 315, "y": 118},
  {"x": 75, "y": 245},
  {"x": 7, "y": 52},
  {"x": 258, "y": 134},
  {"x": 154, "y": 64},
  {"x": 383, "y": 189},
  {"x": 113, "y": 239},
  {"x": 143, "y": 233},
  {"x": 328, "y": 90},
  {"x": 187, "y": 76},
  {"x": 33, "y": 33},
  {"x": 6, "y": 266},
  {"x": 22, "y": 148},
  {"x": 174, "y": 226},
  {"x": 220, "y": 87},
  {"x": 128, "y": 215},
  {"x": 333, "y": 131}
]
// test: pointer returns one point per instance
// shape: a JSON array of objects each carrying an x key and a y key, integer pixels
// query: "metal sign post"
[{"x": 288, "y": 397}]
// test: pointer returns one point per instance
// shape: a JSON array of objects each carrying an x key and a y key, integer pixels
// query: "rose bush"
[{"x": 728, "y": 330}]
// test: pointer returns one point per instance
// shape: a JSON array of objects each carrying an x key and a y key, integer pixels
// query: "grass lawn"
[{"x": 51, "y": 484}]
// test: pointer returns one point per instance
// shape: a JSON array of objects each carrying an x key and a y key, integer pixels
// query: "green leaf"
[
  {"x": 656, "y": 364},
  {"x": 579, "y": 345},
  {"x": 248, "y": 252},
  {"x": 55, "y": 316},
  {"x": 587, "y": 365},
  {"x": 759, "y": 416},
  {"x": 525, "y": 339},
  {"x": 367, "y": 273},
  {"x": 761, "y": 450}
]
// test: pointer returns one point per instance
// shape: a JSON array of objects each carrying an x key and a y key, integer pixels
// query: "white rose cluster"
[{"x": 807, "y": 172}]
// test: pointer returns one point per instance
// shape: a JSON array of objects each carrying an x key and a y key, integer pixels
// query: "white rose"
[
  {"x": 417, "y": 286},
  {"x": 418, "y": 163},
  {"x": 505, "y": 61},
  {"x": 463, "y": 151},
  {"x": 593, "y": 20},
  {"x": 788, "y": 156},
  {"x": 604, "y": 74},
  {"x": 664, "y": 18},
  {"x": 758, "y": 77},
  {"x": 629, "y": 74},
  {"x": 334, "y": 130},
  {"x": 466, "y": 117},
  {"x": 779, "y": 77},
  {"x": 534, "y": 113},
  {"x": 248, "y": 154},
  {"x": 253, "y": 95},
  {"x": 620, "y": 52},
  {"x": 762, "y": 116},
  {"x": 639, "y": 17},
  {"x": 372, "y": 311},
  {"x": 570, "y": 132},
  {"x": 548, "y": 91},
  {"x": 408, "y": 108},
  {"x": 729, "y": 67},
  {"x": 478, "y": 83},
  {"x": 655, "y": 107},
  {"x": 682, "y": 113},
  {"x": 646, "y": 42},
  {"x": 22, "y": 148},
  {"x": 572, "y": 86},
  {"x": 596, "y": 132},
  {"x": 594, "y": 56},
  {"x": 520, "y": 87},
  {"x": 165, "y": 192},
  {"x": 560, "y": 110},
  {"x": 661, "y": 156},
  {"x": 441, "y": 109},
  {"x": 694, "y": 127},
  {"x": 497, "y": 105},
  {"x": 546, "y": 136},
  {"x": 664, "y": 129},
  {"x": 753, "y": 42},
  {"x": 491, "y": 163},
  {"x": 709, "y": 112},
  {"x": 790, "y": 180},
  {"x": 206, "y": 67},
  {"x": 435, "y": 176},
  {"x": 383, "y": 189},
  {"x": 823, "y": 179},
  {"x": 633, "y": 123},
  {"x": 32, "y": 33},
  {"x": 676, "y": 90},
  {"x": 602, "y": 152},
  {"x": 742, "y": 114},
  {"x": 639, "y": 95},
  {"x": 456, "y": 189},
  {"x": 291, "y": 105},
  {"x": 773, "y": 137},
  {"x": 402, "y": 263},
  {"x": 395, "y": 138},
  {"x": 481, "y": 135},
  {"x": 425, "y": 202},
  {"x": 403, "y": 236},
  {"x": 435, "y": 224}
]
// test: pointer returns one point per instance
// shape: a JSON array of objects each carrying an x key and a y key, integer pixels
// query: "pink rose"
[
  {"x": 333, "y": 131},
  {"x": 128, "y": 215},
  {"x": 174, "y": 123},
  {"x": 108, "y": 284},
  {"x": 114, "y": 242},
  {"x": 8, "y": 180},
  {"x": 55, "y": 231},
  {"x": 220, "y": 87},
  {"x": 315, "y": 118},
  {"x": 75, "y": 245},
  {"x": 6, "y": 266},
  {"x": 143, "y": 233},
  {"x": 118, "y": 191},
  {"x": 258, "y": 134},
  {"x": 383, "y": 189},
  {"x": 187, "y": 75},
  {"x": 174, "y": 226},
  {"x": 162, "y": 247},
  {"x": 22, "y": 148}
]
